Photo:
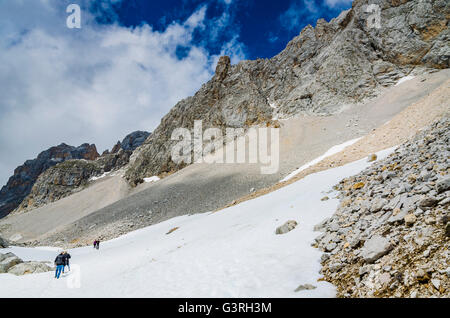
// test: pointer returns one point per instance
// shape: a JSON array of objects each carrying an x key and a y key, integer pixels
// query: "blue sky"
[
  {"x": 263, "y": 27},
  {"x": 128, "y": 65}
]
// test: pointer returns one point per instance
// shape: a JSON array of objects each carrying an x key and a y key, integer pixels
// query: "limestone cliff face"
[
  {"x": 340, "y": 62},
  {"x": 21, "y": 183}
]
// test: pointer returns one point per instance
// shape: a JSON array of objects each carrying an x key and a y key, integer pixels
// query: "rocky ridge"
[
  {"x": 390, "y": 236},
  {"x": 20, "y": 184},
  {"x": 130, "y": 142},
  {"x": 325, "y": 68},
  {"x": 72, "y": 176},
  {"x": 61, "y": 171}
]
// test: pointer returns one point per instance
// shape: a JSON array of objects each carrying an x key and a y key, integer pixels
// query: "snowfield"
[
  {"x": 230, "y": 253},
  {"x": 404, "y": 79},
  {"x": 151, "y": 179},
  {"x": 333, "y": 150}
]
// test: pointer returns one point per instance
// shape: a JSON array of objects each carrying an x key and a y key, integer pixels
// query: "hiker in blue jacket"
[{"x": 59, "y": 262}]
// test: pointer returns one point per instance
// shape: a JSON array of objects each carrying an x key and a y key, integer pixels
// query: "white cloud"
[
  {"x": 335, "y": 3},
  {"x": 291, "y": 19},
  {"x": 234, "y": 49},
  {"x": 95, "y": 84}
]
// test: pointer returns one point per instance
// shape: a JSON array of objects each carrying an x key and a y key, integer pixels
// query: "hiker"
[
  {"x": 98, "y": 243},
  {"x": 59, "y": 262},
  {"x": 66, "y": 260},
  {"x": 95, "y": 244}
]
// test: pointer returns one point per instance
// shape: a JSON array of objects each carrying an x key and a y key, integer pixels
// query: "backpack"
[{"x": 59, "y": 260}]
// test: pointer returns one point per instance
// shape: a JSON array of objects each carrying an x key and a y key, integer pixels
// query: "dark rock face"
[
  {"x": 116, "y": 147},
  {"x": 134, "y": 140},
  {"x": 340, "y": 62},
  {"x": 114, "y": 161},
  {"x": 3, "y": 243},
  {"x": 131, "y": 141},
  {"x": 21, "y": 183}
]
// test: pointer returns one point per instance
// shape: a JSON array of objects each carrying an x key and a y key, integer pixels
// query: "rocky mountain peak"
[
  {"x": 130, "y": 142},
  {"x": 223, "y": 65},
  {"x": 321, "y": 71},
  {"x": 134, "y": 140}
]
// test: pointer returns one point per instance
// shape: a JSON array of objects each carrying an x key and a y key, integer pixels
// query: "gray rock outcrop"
[
  {"x": 29, "y": 268},
  {"x": 8, "y": 262},
  {"x": 286, "y": 227},
  {"x": 11, "y": 264},
  {"x": 3, "y": 243}
]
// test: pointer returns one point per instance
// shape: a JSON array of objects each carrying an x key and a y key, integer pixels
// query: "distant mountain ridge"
[
  {"x": 60, "y": 170},
  {"x": 21, "y": 182},
  {"x": 71, "y": 176}
]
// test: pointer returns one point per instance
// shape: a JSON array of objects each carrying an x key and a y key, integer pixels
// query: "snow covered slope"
[
  {"x": 230, "y": 253},
  {"x": 333, "y": 150}
]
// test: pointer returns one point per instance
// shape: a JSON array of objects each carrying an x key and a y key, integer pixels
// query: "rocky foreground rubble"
[{"x": 390, "y": 236}]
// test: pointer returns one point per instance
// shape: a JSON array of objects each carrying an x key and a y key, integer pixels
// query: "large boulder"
[
  {"x": 5, "y": 256},
  {"x": 375, "y": 247},
  {"x": 29, "y": 268},
  {"x": 443, "y": 184},
  {"x": 9, "y": 262},
  {"x": 286, "y": 227}
]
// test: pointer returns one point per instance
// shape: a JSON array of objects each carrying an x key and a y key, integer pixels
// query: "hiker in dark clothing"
[
  {"x": 66, "y": 260},
  {"x": 98, "y": 244},
  {"x": 59, "y": 262},
  {"x": 95, "y": 244}
]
